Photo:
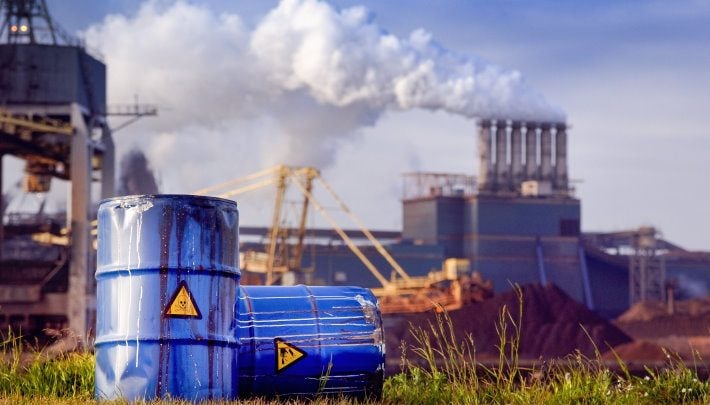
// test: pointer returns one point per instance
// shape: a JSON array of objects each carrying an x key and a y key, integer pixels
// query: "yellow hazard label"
[
  {"x": 286, "y": 354},
  {"x": 182, "y": 304}
]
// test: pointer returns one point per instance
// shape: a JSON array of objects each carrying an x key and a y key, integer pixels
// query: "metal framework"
[
  {"x": 65, "y": 140},
  {"x": 449, "y": 287},
  {"x": 645, "y": 250},
  {"x": 647, "y": 270},
  {"x": 427, "y": 184},
  {"x": 22, "y": 22}
]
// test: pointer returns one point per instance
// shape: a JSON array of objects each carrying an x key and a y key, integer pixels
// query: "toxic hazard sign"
[
  {"x": 182, "y": 305},
  {"x": 286, "y": 354}
]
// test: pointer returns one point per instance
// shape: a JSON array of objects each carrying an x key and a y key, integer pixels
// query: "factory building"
[{"x": 519, "y": 223}]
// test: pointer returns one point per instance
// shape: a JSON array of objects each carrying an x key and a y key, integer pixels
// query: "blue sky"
[{"x": 633, "y": 77}]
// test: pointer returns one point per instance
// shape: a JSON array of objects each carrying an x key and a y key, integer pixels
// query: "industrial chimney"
[
  {"x": 516, "y": 155},
  {"x": 502, "y": 179},
  {"x": 484, "y": 154},
  {"x": 561, "y": 177},
  {"x": 531, "y": 172},
  {"x": 545, "y": 152},
  {"x": 505, "y": 168}
]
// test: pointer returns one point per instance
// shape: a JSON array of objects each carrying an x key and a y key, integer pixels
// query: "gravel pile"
[{"x": 553, "y": 325}]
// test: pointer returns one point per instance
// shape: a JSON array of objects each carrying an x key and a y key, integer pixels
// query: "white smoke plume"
[
  {"x": 289, "y": 90},
  {"x": 343, "y": 58}
]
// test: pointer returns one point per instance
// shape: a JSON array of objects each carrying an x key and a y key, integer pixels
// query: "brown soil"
[
  {"x": 643, "y": 311},
  {"x": 695, "y": 348},
  {"x": 553, "y": 325},
  {"x": 676, "y": 325},
  {"x": 639, "y": 351},
  {"x": 651, "y": 310}
]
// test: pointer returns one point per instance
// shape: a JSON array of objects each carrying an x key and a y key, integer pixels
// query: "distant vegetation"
[{"x": 442, "y": 370}]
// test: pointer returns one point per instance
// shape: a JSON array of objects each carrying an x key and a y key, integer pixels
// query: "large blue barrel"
[
  {"x": 167, "y": 284},
  {"x": 301, "y": 341}
]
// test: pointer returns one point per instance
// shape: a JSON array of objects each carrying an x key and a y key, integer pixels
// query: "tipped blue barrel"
[
  {"x": 302, "y": 341},
  {"x": 167, "y": 284}
]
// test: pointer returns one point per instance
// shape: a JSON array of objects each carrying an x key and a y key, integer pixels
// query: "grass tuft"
[
  {"x": 29, "y": 372},
  {"x": 443, "y": 370},
  {"x": 446, "y": 371}
]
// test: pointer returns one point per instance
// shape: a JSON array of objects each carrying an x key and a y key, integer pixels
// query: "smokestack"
[
  {"x": 136, "y": 175},
  {"x": 516, "y": 155},
  {"x": 545, "y": 152},
  {"x": 531, "y": 172},
  {"x": 501, "y": 155},
  {"x": 484, "y": 154},
  {"x": 561, "y": 157}
]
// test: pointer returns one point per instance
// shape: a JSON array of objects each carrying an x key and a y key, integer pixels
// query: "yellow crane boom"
[{"x": 448, "y": 287}]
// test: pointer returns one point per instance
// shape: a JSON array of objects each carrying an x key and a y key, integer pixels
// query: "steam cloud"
[
  {"x": 290, "y": 90},
  {"x": 344, "y": 58},
  {"x": 136, "y": 175}
]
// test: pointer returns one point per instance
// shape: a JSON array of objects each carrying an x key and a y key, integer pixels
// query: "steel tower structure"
[{"x": 53, "y": 115}]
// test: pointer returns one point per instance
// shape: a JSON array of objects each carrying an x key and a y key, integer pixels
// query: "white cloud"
[{"x": 296, "y": 89}]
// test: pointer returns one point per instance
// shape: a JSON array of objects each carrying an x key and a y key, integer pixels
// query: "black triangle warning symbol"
[
  {"x": 286, "y": 354},
  {"x": 182, "y": 304}
]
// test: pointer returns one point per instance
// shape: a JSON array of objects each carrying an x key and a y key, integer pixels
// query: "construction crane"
[{"x": 445, "y": 288}]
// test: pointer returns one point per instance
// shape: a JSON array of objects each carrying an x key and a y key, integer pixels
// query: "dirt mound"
[
  {"x": 639, "y": 351},
  {"x": 553, "y": 325},
  {"x": 645, "y": 311}
]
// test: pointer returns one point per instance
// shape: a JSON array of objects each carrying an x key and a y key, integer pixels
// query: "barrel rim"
[{"x": 167, "y": 197}]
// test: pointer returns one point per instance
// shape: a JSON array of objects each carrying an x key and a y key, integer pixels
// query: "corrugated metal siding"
[
  {"x": 419, "y": 220},
  {"x": 436, "y": 220},
  {"x": 47, "y": 75},
  {"x": 515, "y": 261},
  {"x": 505, "y": 273},
  {"x": 417, "y": 260},
  {"x": 450, "y": 224},
  {"x": 610, "y": 286},
  {"x": 523, "y": 216},
  {"x": 501, "y": 239}
]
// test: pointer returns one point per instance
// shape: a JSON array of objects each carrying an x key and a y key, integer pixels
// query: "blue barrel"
[
  {"x": 302, "y": 341},
  {"x": 167, "y": 283}
]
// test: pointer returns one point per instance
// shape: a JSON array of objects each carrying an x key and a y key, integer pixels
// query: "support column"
[
  {"x": 80, "y": 173},
  {"x": 108, "y": 164}
]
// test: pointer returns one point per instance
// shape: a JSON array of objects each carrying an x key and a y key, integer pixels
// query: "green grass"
[
  {"x": 446, "y": 371},
  {"x": 438, "y": 369},
  {"x": 26, "y": 373}
]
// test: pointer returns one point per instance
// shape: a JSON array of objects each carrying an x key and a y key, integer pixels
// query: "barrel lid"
[{"x": 173, "y": 197}]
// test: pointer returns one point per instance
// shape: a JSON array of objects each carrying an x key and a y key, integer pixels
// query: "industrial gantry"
[{"x": 53, "y": 116}]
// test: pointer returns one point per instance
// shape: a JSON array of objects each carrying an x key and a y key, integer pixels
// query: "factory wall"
[
  {"x": 337, "y": 265},
  {"x": 609, "y": 278},
  {"x": 509, "y": 260},
  {"x": 510, "y": 240},
  {"x": 524, "y": 240},
  {"x": 492, "y": 215},
  {"x": 49, "y": 74},
  {"x": 435, "y": 221}
]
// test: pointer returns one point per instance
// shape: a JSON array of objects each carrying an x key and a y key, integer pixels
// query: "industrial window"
[{"x": 569, "y": 227}]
